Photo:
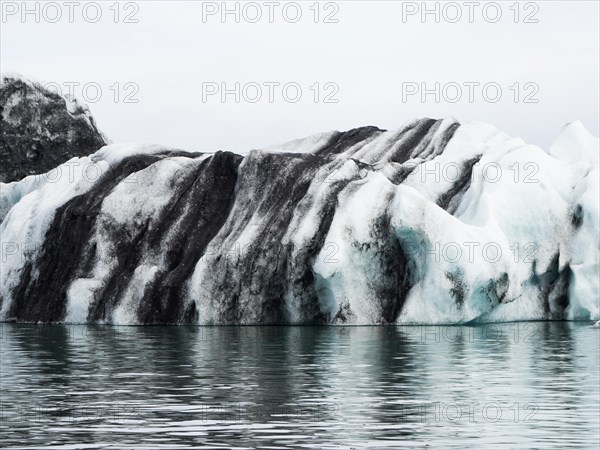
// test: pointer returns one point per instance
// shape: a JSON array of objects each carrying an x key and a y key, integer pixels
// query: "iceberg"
[{"x": 435, "y": 222}]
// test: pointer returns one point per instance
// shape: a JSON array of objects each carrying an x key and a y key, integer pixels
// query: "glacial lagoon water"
[{"x": 515, "y": 385}]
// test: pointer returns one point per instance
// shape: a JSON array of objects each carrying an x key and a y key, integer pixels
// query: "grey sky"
[{"x": 368, "y": 54}]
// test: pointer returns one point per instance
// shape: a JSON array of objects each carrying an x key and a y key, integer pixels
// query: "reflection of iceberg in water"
[
  {"x": 435, "y": 222},
  {"x": 346, "y": 386}
]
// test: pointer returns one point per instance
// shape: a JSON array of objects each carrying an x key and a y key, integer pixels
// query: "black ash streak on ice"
[
  {"x": 275, "y": 182},
  {"x": 215, "y": 201}
]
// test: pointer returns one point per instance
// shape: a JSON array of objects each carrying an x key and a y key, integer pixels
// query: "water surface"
[{"x": 519, "y": 385}]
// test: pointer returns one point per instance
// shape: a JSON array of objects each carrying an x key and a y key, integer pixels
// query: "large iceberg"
[{"x": 435, "y": 222}]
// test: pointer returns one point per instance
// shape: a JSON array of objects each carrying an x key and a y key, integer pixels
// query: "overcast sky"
[{"x": 365, "y": 55}]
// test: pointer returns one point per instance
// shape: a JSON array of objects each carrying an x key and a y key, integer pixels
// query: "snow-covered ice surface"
[{"x": 435, "y": 222}]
